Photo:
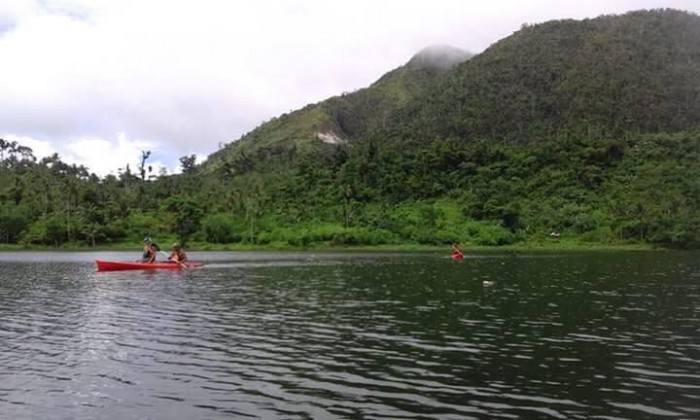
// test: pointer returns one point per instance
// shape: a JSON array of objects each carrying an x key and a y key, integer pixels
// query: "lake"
[{"x": 607, "y": 335}]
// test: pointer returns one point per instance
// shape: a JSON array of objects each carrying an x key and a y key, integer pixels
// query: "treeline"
[
  {"x": 50, "y": 202},
  {"x": 587, "y": 131},
  {"x": 635, "y": 189},
  {"x": 643, "y": 189}
]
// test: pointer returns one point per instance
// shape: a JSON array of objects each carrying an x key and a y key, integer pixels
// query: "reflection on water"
[{"x": 352, "y": 336}]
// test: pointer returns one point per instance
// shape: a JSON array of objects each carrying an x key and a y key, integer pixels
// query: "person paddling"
[
  {"x": 150, "y": 250},
  {"x": 456, "y": 251},
  {"x": 178, "y": 255}
]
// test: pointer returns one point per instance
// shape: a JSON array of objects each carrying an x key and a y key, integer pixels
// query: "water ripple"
[{"x": 352, "y": 336}]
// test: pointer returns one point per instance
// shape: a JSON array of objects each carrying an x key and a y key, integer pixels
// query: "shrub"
[
  {"x": 49, "y": 231},
  {"x": 492, "y": 235},
  {"x": 220, "y": 229},
  {"x": 600, "y": 235},
  {"x": 11, "y": 226},
  {"x": 141, "y": 224}
]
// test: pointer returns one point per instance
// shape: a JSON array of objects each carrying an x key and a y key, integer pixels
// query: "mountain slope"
[
  {"x": 586, "y": 128},
  {"x": 360, "y": 112},
  {"x": 343, "y": 117},
  {"x": 639, "y": 72}
]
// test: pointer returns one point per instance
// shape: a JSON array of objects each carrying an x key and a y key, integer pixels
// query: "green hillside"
[
  {"x": 607, "y": 76},
  {"x": 564, "y": 134},
  {"x": 340, "y": 118},
  {"x": 567, "y": 126},
  {"x": 361, "y": 112}
]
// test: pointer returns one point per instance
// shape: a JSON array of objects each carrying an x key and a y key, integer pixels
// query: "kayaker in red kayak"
[
  {"x": 457, "y": 252},
  {"x": 178, "y": 255},
  {"x": 150, "y": 251}
]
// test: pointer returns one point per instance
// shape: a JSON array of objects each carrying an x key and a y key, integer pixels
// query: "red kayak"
[
  {"x": 137, "y": 265},
  {"x": 457, "y": 256}
]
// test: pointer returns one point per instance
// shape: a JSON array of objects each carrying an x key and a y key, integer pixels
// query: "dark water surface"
[{"x": 263, "y": 335}]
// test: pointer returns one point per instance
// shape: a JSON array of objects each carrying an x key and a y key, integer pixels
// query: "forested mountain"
[
  {"x": 609, "y": 76},
  {"x": 589, "y": 129},
  {"x": 341, "y": 118}
]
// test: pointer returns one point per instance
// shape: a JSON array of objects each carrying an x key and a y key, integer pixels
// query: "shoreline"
[{"x": 283, "y": 247}]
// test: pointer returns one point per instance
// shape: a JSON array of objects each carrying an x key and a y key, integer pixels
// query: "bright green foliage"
[
  {"x": 49, "y": 231},
  {"x": 579, "y": 133},
  {"x": 220, "y": 228},
  {"x": 141, "y": 224}
]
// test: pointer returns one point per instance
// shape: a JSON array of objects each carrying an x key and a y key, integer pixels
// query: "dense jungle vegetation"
[{"x": 589, "y": 129}]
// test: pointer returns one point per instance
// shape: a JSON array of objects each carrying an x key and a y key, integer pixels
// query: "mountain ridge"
[
  {"x": 588, "y": 129},
  {"x": 615, "y": 73},
  {"x": 343, "y": 117},
  {"x": 603, "y": 75}
]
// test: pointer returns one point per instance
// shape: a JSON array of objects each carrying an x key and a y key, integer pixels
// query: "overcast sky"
[{"x": 100, "y": 80}]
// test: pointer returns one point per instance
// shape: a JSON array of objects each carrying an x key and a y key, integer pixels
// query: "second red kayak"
[{"x": 137, "y": 265}]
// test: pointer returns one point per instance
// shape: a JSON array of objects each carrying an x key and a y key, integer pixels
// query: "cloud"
[
  {"x": 105, "y": 156},
  {"x": 101, "y": 156},
  {"x": 185, "y": 76},
  {"x": 6, "y": 24},
  {"x": 73, "y": 9},
  {"x": 39, "y": 148}
]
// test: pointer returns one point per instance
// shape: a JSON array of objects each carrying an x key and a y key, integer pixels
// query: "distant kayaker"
[
  {"x": 456, "y": 249},
  {"x": 150, "y": 250},
  {"x": 178, "y": 255}
]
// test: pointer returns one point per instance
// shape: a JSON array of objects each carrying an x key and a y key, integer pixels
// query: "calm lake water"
[{"x": 320, "y": 335}]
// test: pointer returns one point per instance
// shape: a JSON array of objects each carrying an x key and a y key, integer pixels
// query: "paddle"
[{"x": 182, "y": 264}]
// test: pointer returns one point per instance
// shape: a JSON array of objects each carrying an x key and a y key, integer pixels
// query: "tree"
[
  {"x": 187, "y": 163},
  {"x": 145, "y": 154},
  {"x": 188, "y": 213}
]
